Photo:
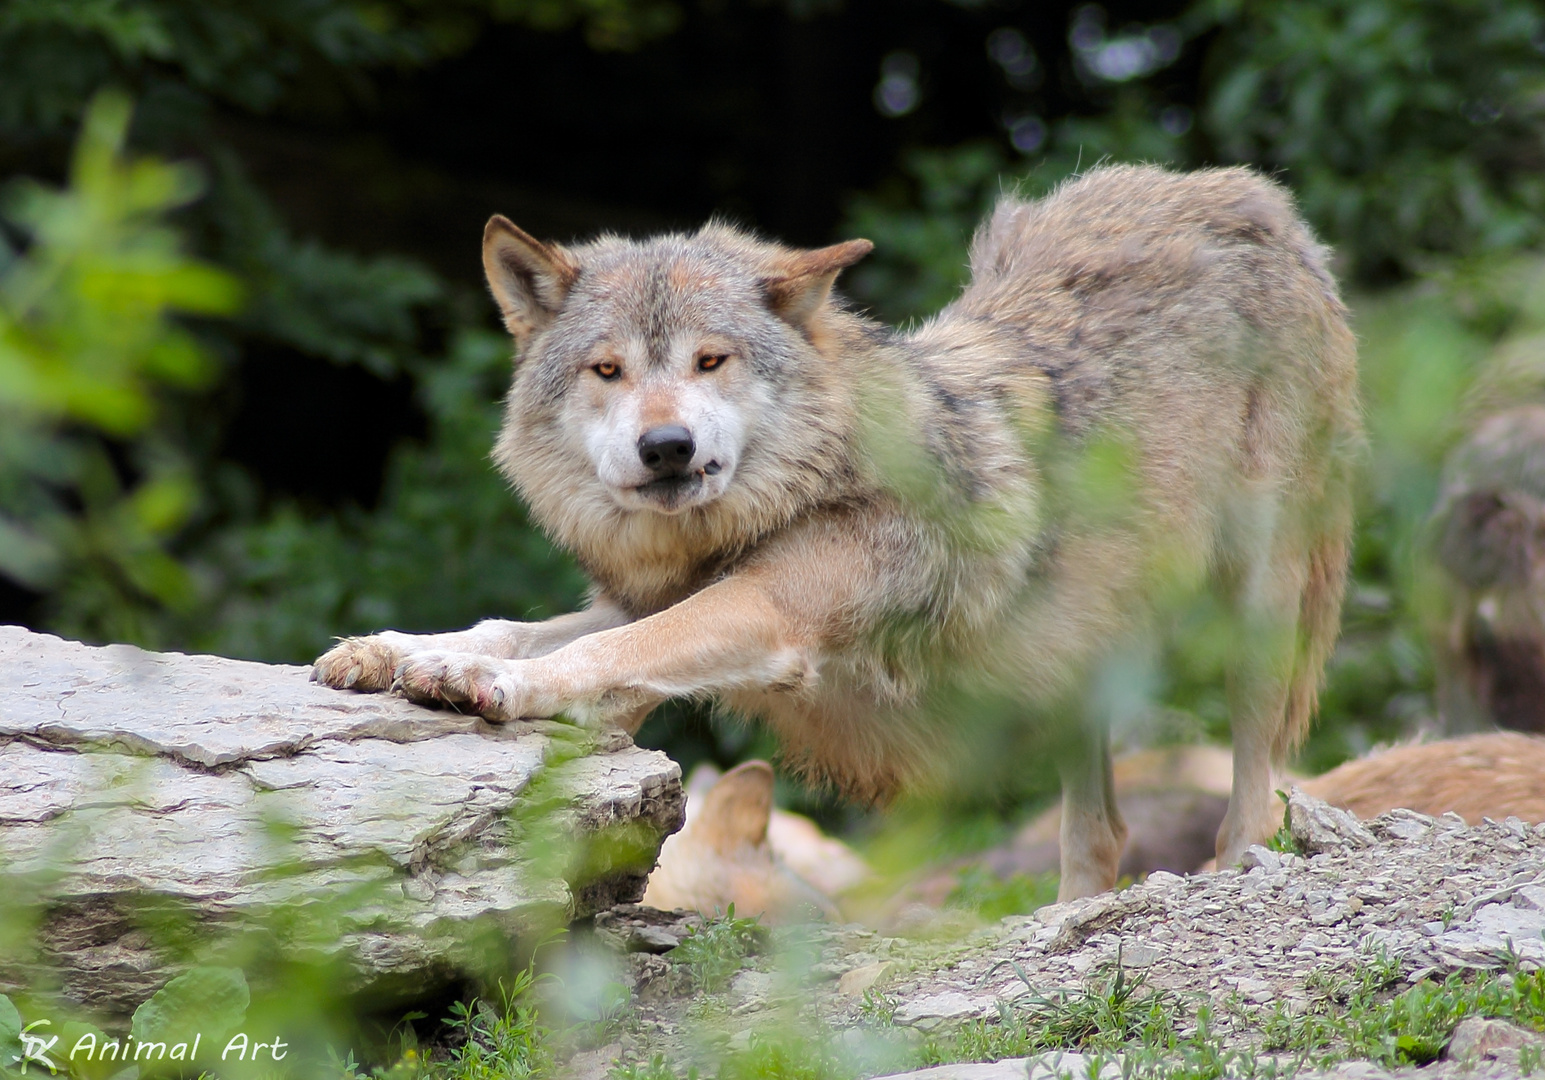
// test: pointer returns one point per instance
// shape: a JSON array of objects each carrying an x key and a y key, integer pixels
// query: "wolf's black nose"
[{"x": 666, "y": 450}]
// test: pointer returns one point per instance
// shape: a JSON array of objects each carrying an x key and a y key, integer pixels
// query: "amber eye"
[
  {"x": 608, "y": 369},
  {"x": 708, "y": 363}
]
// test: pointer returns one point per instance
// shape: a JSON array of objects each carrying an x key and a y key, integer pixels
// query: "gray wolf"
[{"x": 842, "y": 529}]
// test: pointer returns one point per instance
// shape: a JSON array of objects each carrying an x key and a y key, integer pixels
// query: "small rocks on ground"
[{"x": 1430, "y": 895}]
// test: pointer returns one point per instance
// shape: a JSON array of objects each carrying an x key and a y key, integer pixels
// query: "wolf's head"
[{"x": 673, "y": 378}]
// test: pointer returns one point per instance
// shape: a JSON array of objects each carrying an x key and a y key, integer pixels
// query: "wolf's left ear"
[
  {"x": 800, "y": 284},
  {"x": 529, "y": 279}
]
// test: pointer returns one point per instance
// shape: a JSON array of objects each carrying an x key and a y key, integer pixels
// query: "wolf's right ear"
[{"x": 529, "y": 279}]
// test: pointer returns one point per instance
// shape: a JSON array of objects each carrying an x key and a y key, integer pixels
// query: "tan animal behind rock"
[
  {"x": 864, "y": 537},
  {"x": 736, "y": 848}
]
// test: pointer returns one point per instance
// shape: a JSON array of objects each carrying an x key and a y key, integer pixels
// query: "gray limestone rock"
[
  {"x": 1477, "y": 1039},
  {"x": 1495, "y": 934},
  {"x": 936, "y": 1010},
  {"x": 1319, "y": 827},
  {"x": 1063, "y": 1065},
  {"x": 242, "y": 802}
]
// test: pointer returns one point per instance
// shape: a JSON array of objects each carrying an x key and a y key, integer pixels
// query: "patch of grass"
[
  {"x": 507, "y": 1042},
  {"x": 787, "y": 1055},
  {"x": 1350, "y": 1019},
  {"x": 657, "y": 1068},
  {"x": 784, "y": 1053},
  {"x": 878, "y": 1007},
  {"x": 980, "y": 890},
  {"x": 713, "y": 954},
  {"x": 1203, "y": 1057},
  {"x": 1358, "y": 1019},
  {"x": 504, "y": 1041},
  {"x": 1118, "y": 1012}
]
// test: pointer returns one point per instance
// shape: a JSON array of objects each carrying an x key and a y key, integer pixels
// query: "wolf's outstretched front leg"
[
  {"x": 727, "y": 637},
  {"x": 371, "y": 663}
]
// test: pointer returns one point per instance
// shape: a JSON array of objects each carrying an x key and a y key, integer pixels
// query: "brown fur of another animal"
[
  {"x": 1497, "y": 775},
  {"x": 867, "y": 524}
]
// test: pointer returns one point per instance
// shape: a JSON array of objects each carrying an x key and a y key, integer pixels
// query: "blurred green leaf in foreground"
[{"x": 88, "y": 335}]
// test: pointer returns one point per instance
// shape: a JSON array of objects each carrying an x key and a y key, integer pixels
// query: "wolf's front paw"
[
  {"x": 362, "y": 663},
  {"x": 492, "y": 688}
]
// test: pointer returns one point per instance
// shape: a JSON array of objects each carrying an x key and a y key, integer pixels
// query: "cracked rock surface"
[
  {"x": 227, "y": 791},
  {"x": 1433, "y": 895}
]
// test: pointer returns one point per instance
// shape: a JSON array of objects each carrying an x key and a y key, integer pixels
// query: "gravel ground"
[{"x": 1431, "y": 895}]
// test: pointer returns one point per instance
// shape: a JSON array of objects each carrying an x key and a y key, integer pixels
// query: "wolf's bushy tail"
[{"x": 1327, "y": 549}]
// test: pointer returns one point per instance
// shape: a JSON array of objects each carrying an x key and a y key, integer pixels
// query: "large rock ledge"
[{"x": 142, "y": 790}]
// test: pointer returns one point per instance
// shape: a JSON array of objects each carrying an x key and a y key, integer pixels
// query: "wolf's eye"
[
  {"x": 607, "y": 369},
  {"x": 708, "y": 363}
]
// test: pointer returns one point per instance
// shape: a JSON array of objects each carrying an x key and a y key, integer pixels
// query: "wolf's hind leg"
[
  {"x": 1093, "y": 833},
  {"x": 1260, "y": 672},
  {"x": 1254, "y": 812}
]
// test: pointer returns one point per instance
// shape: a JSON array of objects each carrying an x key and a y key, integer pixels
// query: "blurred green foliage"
[
  {"x": 1410, "y": 131},
  {"x": 446, "y": 545},
  {"x": 211, "y": 1001},
  {"x": 990, "y": 897},
  {"x": 715, "y": 951},
  {"x": 86, "y": 338},
  {"x": 198, "y": 557},
  {"x": 187, "y": 57}
]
